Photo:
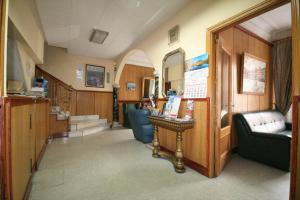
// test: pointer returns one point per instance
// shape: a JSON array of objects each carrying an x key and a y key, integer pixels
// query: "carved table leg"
[
  {"x": 178, "y": 163},
  {"x": 155, "y": 142}
]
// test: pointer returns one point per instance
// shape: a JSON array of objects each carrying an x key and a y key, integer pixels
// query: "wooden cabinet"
[
  {"x": 26, "y": 133},
  {"x": 20, "y": 149}
]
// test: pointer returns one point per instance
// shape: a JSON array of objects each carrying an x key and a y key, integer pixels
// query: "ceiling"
[
  {"x": 272, "y": 25},
  {"x": 69, "y": 23},
  {"x": 139, "y": 58}
]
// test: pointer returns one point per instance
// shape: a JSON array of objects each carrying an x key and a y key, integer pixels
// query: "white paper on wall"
[
  {"x": 196, "y": 83},
  {"x": 79, "y": 73}
]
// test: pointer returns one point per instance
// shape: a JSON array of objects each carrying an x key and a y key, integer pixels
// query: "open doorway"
[{"x": 252, "y": 57}]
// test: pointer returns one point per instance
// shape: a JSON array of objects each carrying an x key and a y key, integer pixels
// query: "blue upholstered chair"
[
  {"x": 141, "y": 127},
  {"x": 126, "y": 108}
]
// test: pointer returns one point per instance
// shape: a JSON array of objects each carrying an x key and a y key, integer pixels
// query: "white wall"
[
  {"x": 194, "y": 19},
  {"x": 20, "y": 66},
  {"x": 61, "y": 64},
  {"x": 21, "y": 13}
]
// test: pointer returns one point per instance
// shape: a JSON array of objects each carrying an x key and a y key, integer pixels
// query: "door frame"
[{"x": 212, "y": 81}]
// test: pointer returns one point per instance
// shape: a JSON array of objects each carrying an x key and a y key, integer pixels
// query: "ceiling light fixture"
[
  {"x": 98, "y": 36},
  {"x": 138, "y": 3}
]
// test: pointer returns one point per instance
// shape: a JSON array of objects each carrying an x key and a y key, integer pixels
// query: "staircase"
[{"x": 86, "y": 125}]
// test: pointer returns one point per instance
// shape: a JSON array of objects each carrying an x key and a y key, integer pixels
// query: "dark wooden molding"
[
  {"x": 295, "y": 129},
  {"x": 40, "y": 156},
  {"x": 24, "y": 100},
  {"x": 253, "y": 35},
  {"x": 208, "y": 133},
  {"x": 2, "y": 145},
  {"x": 197, "y": 167},
  {"x": 96, "y": 91},
  {"x": 60, "y": 135}
]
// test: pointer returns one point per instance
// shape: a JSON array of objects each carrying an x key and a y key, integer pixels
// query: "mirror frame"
[{"x": 179, "y": 50}]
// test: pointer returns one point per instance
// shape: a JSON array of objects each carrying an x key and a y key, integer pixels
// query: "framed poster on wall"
[
  {"x": 94, "y": 76},
  {"x": 253, "y": 79}
]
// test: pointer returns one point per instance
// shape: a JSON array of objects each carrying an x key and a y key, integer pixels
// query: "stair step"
[
  {"x": 87, "y": 121},
  {"x": 75, "y": 134},
  {"x": 83, "y": 117},
  {"x": 86, "y": 124},
  {"x": 93, "y": 130},
  {"x": 88, "y": 131}
]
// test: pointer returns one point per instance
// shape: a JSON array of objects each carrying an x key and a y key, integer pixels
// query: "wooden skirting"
[
  {"x": 195, "y": 166},
  {"x": 40, "y": 156}
]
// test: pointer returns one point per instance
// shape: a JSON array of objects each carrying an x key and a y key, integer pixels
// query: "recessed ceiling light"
[{"x": 98, "y": 36}]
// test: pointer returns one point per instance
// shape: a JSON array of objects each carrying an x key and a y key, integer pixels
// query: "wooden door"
[
  {"x": 223, "y": 105},
  {"x": 32, "y": 134},
  {"x": 20, "y": 149},
  {"x": 41, "y": 127}
]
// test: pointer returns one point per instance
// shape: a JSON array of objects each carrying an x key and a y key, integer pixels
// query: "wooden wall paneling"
[
  {"x": 57, "y": 126},
  {"x": 103, "y": 105},
  {"x": 85, "y": 103},
  {"x": 253, "y": 48},
  {"x": 135, "y": 74},
  {"x": 195, "y": 141},
  {"x": 241, "y": 41},
  {"x": 73, "y": 104}
]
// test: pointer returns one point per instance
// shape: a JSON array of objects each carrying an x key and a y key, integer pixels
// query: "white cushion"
[{"x": 266, "y": 122}]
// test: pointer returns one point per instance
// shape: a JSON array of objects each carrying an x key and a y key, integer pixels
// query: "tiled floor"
[{"x": 113, "y": 166}]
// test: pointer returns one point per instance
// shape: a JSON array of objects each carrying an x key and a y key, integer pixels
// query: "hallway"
[{"x": 113, "y": 165}]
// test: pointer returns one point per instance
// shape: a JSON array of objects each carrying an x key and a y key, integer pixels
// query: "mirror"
[
  {"x": 148, "y": 87},
  {"x": 173, "y": 73}
]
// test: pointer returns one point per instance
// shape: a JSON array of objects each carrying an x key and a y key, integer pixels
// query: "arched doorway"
[{"x": 137, "y": 65}]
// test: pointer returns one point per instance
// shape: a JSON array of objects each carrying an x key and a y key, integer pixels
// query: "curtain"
[{"x": 282, "y": 74}]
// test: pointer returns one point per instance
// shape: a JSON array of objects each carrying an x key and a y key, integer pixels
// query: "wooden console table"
[{"x": 177, "y": 126}]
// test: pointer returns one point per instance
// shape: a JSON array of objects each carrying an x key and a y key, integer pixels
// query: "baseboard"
[
  {"x": 39, "y": 158},
  {"x": 28, "y": 188},
  {"x": 60, "y": 135},
  {"x": 234, "y": 150},
  {"x": 195, "y": 166}
]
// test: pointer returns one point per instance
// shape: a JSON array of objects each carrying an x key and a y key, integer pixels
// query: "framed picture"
[
  {"x": 94, "y": 76},
  {"x": 131, "y": 86},
  {"x": 173, "y": 34},
  {"x": 253, "y": 80}
]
